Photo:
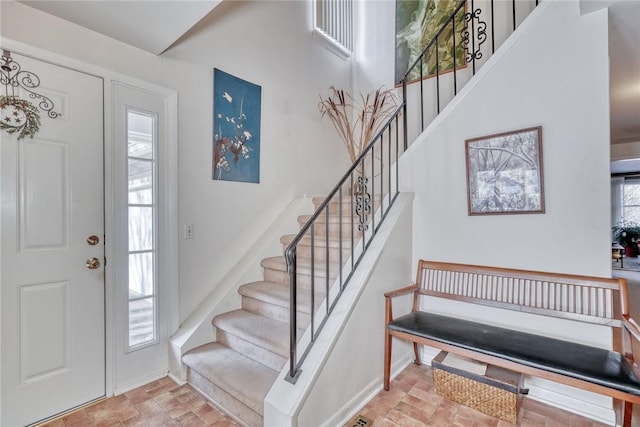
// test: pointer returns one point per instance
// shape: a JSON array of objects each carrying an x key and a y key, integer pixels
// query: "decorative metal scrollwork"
[
  {"x": 480, "y": 29},
  {"x": 20, "y": 115},
  {"x": 363, "y": 203},
  {"x": 12, "y": 76}
]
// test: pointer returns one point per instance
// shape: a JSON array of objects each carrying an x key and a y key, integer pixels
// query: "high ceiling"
[
  {"x": 154, "y": 25},
  {"x": 149, "y": 25},
  {"x": 624, "y": 50}
]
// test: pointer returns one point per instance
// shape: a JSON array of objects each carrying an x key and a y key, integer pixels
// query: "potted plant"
[{"x": 627, "y": 234}]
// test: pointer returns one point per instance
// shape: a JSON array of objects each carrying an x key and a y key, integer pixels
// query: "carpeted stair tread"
[
  {"x": 276, "y": 294},
  {"x": 261, "y": 331},
  {"x": 246, "y": 380}
]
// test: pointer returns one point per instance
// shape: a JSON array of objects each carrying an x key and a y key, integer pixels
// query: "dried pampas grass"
[{"x": 358, "y": 122}]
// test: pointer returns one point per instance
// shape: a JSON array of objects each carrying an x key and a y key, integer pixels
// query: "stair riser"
[
  {"x": 348, "y": 206},
  {"x": 320, "y": 253},
  {"x": 250, "y": 350},
  {"x": 222, "y": 399},
  {"x": 334, "y": 231},
  {"x": 303, "y": 281},
  {"x": 347, "y": 209},
  {"x": 274, "y": 312}
]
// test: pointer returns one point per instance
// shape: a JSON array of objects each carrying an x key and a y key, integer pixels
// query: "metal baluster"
[
  {"x": 373, "y": 194},
  {"x": 453, "y": 28},
  {"x": 339, "y": 235},
  {"x": 493, "y": 34},
  {"x": 398, "y": 145},
  {"x": 326, "y": 262},
  {"x": 404, "y": 112},
  {"x": 352, "y": 223},
  {"x": 437, "y": 77},
  {"x": 421, "y": 95},
  {"x": 291, "y": 256},
  {"x": 473, "y": 39},
  {"x": 313, "y": 285}
]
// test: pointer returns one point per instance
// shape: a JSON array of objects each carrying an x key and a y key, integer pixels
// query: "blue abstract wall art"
[{"x": 236, "y": 128}]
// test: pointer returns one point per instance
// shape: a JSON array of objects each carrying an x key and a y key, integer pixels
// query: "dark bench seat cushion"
[{"x": 592, "y": 364}]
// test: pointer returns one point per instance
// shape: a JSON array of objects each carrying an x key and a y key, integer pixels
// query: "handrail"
[{"x": 361, "y": 178}]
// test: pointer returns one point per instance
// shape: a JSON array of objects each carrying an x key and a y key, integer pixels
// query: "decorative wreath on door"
[{"x": 19, "y": 115}]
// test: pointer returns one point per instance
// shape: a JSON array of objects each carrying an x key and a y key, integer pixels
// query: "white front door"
[{"x": 52, "y": 297}]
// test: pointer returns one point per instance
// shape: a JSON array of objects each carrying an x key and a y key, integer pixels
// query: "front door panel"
[{"x": 52, "y": 302}]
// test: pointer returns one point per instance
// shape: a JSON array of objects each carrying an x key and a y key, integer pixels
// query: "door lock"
[{"x": 93, "y": 240}]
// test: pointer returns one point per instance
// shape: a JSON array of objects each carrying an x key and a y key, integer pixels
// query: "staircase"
[{"x": 252, "y": 343}]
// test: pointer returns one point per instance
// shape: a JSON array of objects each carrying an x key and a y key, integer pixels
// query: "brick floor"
[
  {"x": 160, "y": 403},
  {"x": 411, "y": 401}
]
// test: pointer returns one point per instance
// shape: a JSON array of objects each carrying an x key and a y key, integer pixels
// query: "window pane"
[
  {"x": 141, "y": 164},
  {"x": 141, "y": 321},
  {"x": 140, "y": 275},
  {"x": 140, "y": 228},
  {"x": 632, "y": 214},
  {"x": 632, "y": 194},
  {"x": 140, "y": 181},
  {"x": 141, "y": 196},
  {"x": 140, "y": 135}
]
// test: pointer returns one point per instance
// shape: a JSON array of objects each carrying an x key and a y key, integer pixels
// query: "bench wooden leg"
[
  {"x": 627, "y": 410},
  {"x": 387, "y": 359},
  {"x": 416, "y": 352}
]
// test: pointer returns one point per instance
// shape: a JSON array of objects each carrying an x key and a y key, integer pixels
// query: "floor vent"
[{"x": 360, "y": 421}]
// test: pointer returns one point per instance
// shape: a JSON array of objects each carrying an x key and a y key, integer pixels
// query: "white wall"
[
  {"x": 268, "y": 43},
  {"x": 375, "y": 49},
  {"x": 555, "y": 76}
]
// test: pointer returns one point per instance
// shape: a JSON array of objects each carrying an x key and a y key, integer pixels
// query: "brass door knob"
[{"x": 93, "y": 263}]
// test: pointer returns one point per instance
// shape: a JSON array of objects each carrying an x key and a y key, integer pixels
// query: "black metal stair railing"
[
  {"x": 319, "y": 266},
  {"x": 352, "y": 212},
  {"x": 468, "y": 29}
]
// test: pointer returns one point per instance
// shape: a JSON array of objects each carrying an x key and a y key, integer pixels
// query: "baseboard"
[
  {"x": 586, "y": 404},
  {"x": 176, "y": 380},
  {"x": 139, "y": 382},
  {"x": 355, "y": 404}
]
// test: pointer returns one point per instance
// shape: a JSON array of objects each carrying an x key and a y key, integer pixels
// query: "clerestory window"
[{"x": 333, "y": 21}]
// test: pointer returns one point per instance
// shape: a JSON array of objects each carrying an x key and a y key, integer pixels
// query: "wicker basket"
[{"x": 497, "y": 393}]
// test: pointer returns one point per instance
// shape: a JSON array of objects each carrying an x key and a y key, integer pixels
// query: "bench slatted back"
[{"x": 587, "y": 299}]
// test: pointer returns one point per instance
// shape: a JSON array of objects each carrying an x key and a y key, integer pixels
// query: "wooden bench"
[{"x": 593, "y": 300}]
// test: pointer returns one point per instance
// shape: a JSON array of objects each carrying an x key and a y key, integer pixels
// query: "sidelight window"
[{"x": 142, "y": 221}]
